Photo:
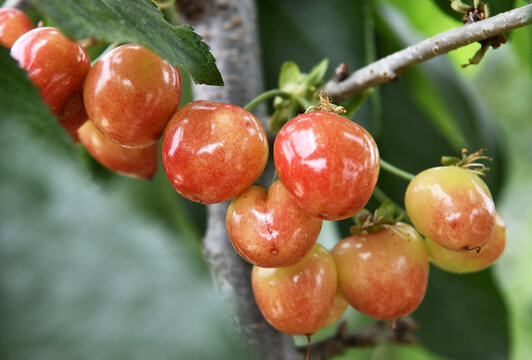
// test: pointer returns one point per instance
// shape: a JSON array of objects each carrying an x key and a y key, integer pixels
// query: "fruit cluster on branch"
[{"x": 327, "y": 166}]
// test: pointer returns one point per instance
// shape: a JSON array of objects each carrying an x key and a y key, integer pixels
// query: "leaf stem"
[
  {"x": 266, "y": 96},
  {"x": 396, "y": 171}
]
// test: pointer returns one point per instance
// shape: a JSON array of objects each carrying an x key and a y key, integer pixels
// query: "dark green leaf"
[
  {"x": 21, "y": 103},
  {"x": 135, "y": 21}
]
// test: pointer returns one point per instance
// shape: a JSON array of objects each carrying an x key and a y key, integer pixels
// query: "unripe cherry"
[
  {"x": 383, "y": 274},
  {"x": 130, "y": 94},
  {"x": 135, "y": 162},
  {"x": 297, "y": 299},
  {"x": 268, "y": 229},
  {"x": 13, "y": 24},
  {"x": 328, "y": 164},
  {"x": 451, "y": 206},
  {"x": 338, "y": 309},
  {"x": 55, "y": 64},
  {"x": 212, "y": 151},
  {"x": 470, "y": 261}
]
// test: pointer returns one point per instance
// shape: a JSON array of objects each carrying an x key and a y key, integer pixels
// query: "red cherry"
[
  {"x": 54, "y": 63},
  {"x": 382, "y": 274},
  {"x": 130, "y": 94},
  {"x": 328, "y": 164},
  {"x": 268, "y": 229},
  {"x": 452, "y": 206},
  {"x": 73, "y": 115},
  {"x": 13, "y": 24},
  {"x": 135, "y": 162},
  {"x": 297, "y": 299},
  {"x": 213, "y": 151}
]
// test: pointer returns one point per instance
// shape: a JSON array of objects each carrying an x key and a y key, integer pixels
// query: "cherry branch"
[
  {"x": 390, "y": 68},
  {"x": 377, "y": 333}
]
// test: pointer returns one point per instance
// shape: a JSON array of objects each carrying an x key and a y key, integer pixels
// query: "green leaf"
[
  {"x": 135, "y": 21},
  {"x": 21, "y": 104},
  {"x": 289, "y": 75},
  {"x": 315, "y": 76}
]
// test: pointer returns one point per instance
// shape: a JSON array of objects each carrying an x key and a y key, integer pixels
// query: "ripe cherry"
[
  {"x": 451, "y": 206},
  {"x": 13, "y": 24},
  {"x": 73, "y": 115},
  {"x": 135, "y": 162},
  {"x": 338, "y": 309},
  {"x": 470, "y": 261},
  {"x": 130, "y": 94},
  {"x": 268, "y": 229},
  {"x": 213, "y": 151},
  {"x": 328, "y": 164},
  {"x": 297, "y": 299},
  {"x": 383, "y": 274},
  {"x": 54, "y": 63}
]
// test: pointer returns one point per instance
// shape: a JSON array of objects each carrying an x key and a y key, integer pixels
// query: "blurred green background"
[{"x": 98, "y": 266}]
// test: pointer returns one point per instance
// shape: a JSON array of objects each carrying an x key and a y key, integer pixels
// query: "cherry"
[
  {"x": 13, "y": 24},
  {"x": 470, "y": 261},
  {"x": 73, "y": 115},
  {"x": 268, "y": 229},
  {"x": 135, "y": 162},
  {"x": 328, "y": 164},
  {"x": 383, "y": 274},
  {"x": 213, "y": 151},
  {"x": 130, "y": 94},
  {"x": 452, "y": 206},
  {"x": 297, "y": 299},
  {"x": 54, "y": 63},
  {"x": 338, "y": 309}
]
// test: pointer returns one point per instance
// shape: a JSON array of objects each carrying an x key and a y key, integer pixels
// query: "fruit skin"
[
  {"x": 452, "y": 206},
  {"x": 55, "y": 64},
  {"x": 382, "y": 274},
  {"x": 328, "y": 164},
  {"x": 130, "y": 94},
  {"x": 461, "y": 262},
  {"x": 135, "y": 162},
  {"x": 268, "y": 229},
  {"x": 338, "y": 309},
  {"x": 213, "y": 151},
  {"x": 13, "y": 24},
  {"x": 73, "y": 115},
  {"x": 297, "y": 299}
]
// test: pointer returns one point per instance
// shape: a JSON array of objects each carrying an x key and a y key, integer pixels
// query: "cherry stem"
[
  {"x": 266, "y": 96},
  {"x": 394, "y": 330},
  {"x": 396, "y": 171},
  {"x": 308, "y": 348},
  {"x": 107, "y": 49}
]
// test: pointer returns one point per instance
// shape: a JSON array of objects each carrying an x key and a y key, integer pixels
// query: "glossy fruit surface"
[
  {"x": 381, "y": 274},
  {"x": 73, "y": 115},
  {"x": 452, "y": 206},
  {"x": 130, "y": 94},
  {"x": 135, "y": 162},
  {"x": 328, "y": 164},
  {"x": 55, "y": 64},
  {"x": 13, "y": 24},
  {"x": 213, "y": 151},
  {"x": 297, "y": 299},
  {"x": 268, "y": 229},
  {"x": 470, "y": 261}
]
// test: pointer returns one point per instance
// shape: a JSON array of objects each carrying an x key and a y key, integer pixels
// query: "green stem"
[
  {"x": 265, "y": 96},
  {"x": 303, "y": 103},
  {"x": 382, "y": 197},
  {"x": 396, "y": 171},
  {"x": 110, "y": 47}
]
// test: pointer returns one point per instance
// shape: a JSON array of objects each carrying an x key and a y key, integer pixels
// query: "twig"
[
  {"x": 389, "y": 68},
  {"x": 379, "y": 332}
]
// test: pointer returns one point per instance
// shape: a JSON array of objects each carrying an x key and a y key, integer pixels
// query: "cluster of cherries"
[{"x": 327, "y": 167}]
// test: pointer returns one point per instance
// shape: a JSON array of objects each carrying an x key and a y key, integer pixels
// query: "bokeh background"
[{"x": 98, "y": 266}]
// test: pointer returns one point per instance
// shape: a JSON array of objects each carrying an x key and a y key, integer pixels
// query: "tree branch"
[
  {"x": 230, "y": 28},
  {"x": 389, "y": 68}
]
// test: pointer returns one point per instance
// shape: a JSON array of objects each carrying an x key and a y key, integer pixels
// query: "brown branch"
[
  {"x": 378, "y": 333},
  {"x": 389, "y": 68},
  {"x": 230, "y": 28}
]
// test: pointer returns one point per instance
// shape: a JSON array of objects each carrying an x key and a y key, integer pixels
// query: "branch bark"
[
  {"x": 389, "y": 68},
  {"x": 230, "y": 28}
]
